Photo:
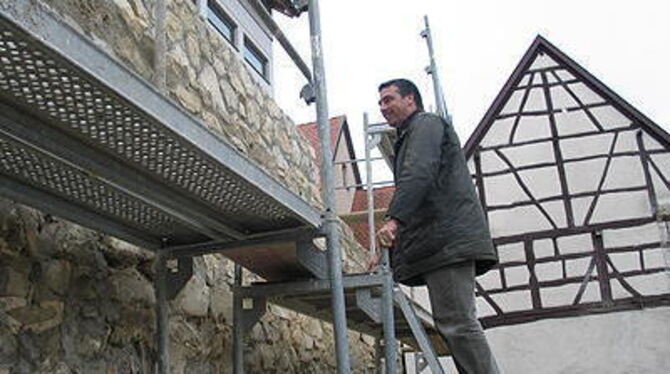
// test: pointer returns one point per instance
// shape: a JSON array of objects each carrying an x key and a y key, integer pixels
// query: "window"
[
  {"x": 221, "y": 21},
  {"x": 255, "y": 58}
]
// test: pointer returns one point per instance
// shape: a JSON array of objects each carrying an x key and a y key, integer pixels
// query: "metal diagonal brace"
[
  {"x": 371, "y": 306},
  {"x": 418, "y": 331},
  {"x": 312, "y": 258}
]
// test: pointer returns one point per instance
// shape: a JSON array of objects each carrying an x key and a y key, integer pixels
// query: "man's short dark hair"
[{"x": 405, "y": 87}]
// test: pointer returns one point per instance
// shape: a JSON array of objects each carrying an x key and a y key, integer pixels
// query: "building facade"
[
  {"x": 240, "y": 25},
  {"x": 575, "y": 184}
]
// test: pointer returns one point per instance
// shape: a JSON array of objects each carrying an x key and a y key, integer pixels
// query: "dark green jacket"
[{"x": 442, "y": 221}]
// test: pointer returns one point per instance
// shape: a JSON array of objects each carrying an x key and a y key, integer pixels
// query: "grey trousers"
[{"x": 452, "y": 298}]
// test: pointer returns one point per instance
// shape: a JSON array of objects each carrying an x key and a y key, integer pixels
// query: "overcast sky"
[{"x": 625, "y": 44}]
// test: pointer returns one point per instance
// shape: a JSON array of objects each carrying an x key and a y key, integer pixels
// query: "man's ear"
[{"x": 413, "y": 99}]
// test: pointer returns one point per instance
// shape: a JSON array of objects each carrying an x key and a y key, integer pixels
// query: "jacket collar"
[{"x": 402, "y": 128}]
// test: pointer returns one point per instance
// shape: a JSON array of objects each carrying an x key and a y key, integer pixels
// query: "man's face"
[{"x": 394, "y": 107}]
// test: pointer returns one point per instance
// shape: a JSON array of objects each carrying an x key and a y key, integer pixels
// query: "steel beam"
[
  {"x": 160, "y": 53},
  {"x": 57, "y": 206},
  {"x": 220, "y": 246},
  {"x": 308, "y": 286}
]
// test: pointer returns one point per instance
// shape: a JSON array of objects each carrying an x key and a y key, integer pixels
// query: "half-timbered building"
[{"x": 575, "y": 183}]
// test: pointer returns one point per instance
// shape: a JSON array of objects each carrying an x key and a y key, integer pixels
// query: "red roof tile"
[
  {"x": 310, "y": 131},
  {"x": 360, "y": 230},
  {"x": 382, "y": 198}
]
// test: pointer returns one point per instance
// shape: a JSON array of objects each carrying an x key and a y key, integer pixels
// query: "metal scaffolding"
[{"x": 154, "y": 176}]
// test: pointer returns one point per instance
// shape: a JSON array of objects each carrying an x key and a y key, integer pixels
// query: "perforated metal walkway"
[{"x": 85, "y": 138}]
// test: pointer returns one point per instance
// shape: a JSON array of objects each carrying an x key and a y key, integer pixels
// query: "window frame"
[
  {"x": 249, "y": 46},
  {"x": 215, "y": 10}
]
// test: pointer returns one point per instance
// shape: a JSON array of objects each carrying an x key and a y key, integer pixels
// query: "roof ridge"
[{"x": 542, "y": 45}]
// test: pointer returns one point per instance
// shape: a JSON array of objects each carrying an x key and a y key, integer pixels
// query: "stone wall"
[
  {"x": 203, "y": 75},
  {"x": 75, "y": 301}
]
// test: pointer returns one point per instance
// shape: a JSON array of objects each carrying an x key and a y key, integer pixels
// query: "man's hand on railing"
[
  {"x": 387, "y": 233},
  {"x": 385, "y": 239}
]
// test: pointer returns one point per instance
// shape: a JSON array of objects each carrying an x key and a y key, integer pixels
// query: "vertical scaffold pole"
[
  {"x": 238, "y": 329},
  {"x": 370, "y": 191},
  {"x": 330, "y": 218},
  {"x": 162, "y": 323},
  {"x": 160, "y": 54},
  {"x": 432, "y": 70},
  {"x": 160, "y": 286},
  {"x": 378, "y": 356},
  {"x": 388, "y": 322}
]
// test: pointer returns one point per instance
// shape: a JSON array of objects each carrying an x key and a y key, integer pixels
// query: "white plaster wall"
[{"x": 626, "y": 342}]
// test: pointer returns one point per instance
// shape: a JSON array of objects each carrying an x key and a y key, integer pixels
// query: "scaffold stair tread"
[{"x": 312, "y": 297}]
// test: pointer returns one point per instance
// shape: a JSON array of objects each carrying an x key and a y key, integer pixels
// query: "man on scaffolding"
[{"x": 435, "y": 227}]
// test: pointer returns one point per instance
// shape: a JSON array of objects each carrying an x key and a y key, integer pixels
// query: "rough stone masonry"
[{"x": 75, "y": 301}]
